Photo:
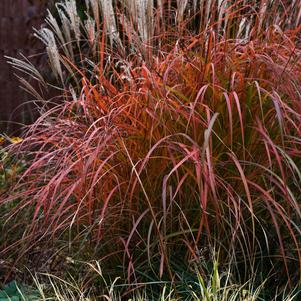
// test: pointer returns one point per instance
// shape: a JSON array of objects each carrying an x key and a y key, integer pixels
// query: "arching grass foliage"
[{"x": 173, "y": 134}]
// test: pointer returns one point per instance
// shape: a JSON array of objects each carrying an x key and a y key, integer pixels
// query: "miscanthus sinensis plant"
[{"x": 177, "y": 129}]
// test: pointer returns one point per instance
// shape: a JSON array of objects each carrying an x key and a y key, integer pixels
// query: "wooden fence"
[{"x": 17, "y": 17}]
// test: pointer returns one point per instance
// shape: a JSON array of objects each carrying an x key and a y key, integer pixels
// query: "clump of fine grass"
[
  {"x": 167, "y": 142},
  {"x": 216, "y": 285}
]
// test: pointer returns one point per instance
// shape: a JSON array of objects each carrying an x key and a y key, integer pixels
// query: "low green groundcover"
[{"x": 16, "y": 292}]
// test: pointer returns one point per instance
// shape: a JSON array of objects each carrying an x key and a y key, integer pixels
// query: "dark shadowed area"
[{"x": 17, "y": 19}]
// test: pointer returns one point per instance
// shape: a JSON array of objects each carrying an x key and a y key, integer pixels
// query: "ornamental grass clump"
[{"x": 174, "y": 133}]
